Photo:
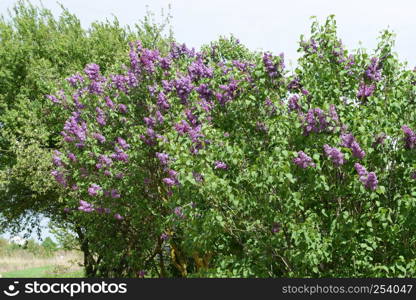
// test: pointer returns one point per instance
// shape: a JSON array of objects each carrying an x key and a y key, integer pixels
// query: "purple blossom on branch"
[
  {"x": 93, "y": 189},
  {"x": 85, "y": 206},
  {"x": 334, "y": 154},
  {"x": 410, "y": 137},
  {"x": 220, "y": 165},
  {"x": 303, "y": 160}
]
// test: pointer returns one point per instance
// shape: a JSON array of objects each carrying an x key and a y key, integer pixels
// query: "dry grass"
[{"x": 65, "y": 260}]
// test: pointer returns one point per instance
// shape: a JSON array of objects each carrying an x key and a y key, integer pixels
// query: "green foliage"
[
  {"x": 239, "y": 202},
  {"x": 37, "y": 52}
]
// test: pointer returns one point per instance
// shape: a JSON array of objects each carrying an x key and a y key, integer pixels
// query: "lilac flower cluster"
[
  {"x": 273, "y": 69},
  {"x": 75, "y": 79},
  {"x": 334, "y": 154},
  {"x": 373, "y": 71},
  {"x": 172, "y": 180},
  {"x": 163, "y": 158},
  {"x": 317, "y": 121},
  {"x": 120, "y": 155},
  {"x": 365, "y": 91},
  {"x": 293, "y": 103},
  {"x": 99, "y": 137},
  {"x": 178, "y": 212},
  {"x": 349, "y": 141},
  {"x": 410, "y": 137},
  {"x": 197, "y": 70},
  {"x": 75, "y": 129},
  {"x": 220, "y": 165},
  {"x": 101, "y": 117},
  {"x": 59, "y": 177},
  {"x": 94, "y": 189},
  {"x": 369, "y": 179},
  {"x": 183, "y": 86},
  {"x": 294, "y": 84},
  {"x": 229, "y": 92},
  {"x": 85, "y": 206},
  {"x": 303, "y": 160},
  {"x": 162, "y": 101},
  {"x": 177, "y": 51}
]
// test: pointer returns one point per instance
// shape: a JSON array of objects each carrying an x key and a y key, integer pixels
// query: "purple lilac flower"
[
  {"x": 159, "y": 117},
  {"x": 361, "y": 170},
  {"x": 72, "y": 157},
  {"x": 303, "y": 160},
  {"x": 92, "y": 71},
  {"x": 164, "y": 236},
  {"x": 93, "y": 189},
  {"x": 365, "y": 91},
  {"x": 56, "y": 158},
  {"x": 413, "y": 175},
  {"x": 293, "y": 103},
  {"x": 333, "y": 113},
  {"x": 96, "y": 87},
  {"x": 120, "y": 82},
  {"x": 369, "y": 179},
  {"x": 294, "y": 84},
  {"x": 99, "y": 137},
  {"x": 141, "y": 273},
  {"x": 357, "y": 151},
  {"x": 74, "y": 128},
  {"x": 197, "y": 70},
  {"x": 169, "y": 181},
  {"x": 162, "y": 101},
  {"x": 182, "y": 127},
  {"x": 114, "y": 194},
  {"x": 109, "y": 103},
  {"x": 105, "y": 161},
  {"x": 229, "y": 92},
  {"x": 242, "y": 66},
  {"x": 85, "y": 206},
  {"x": 163, "y": 158},
  {"x": 379, "y": 139},
  {"x": 123, "y": 144},
  {"x": 184, "y": 87},
  {"x": 135, "y": 48},
  {"x": 53, "y": 98},
  {"x": 373, "y": 71},
  {"x": 148, "y": 59},
  {"x": 101, "y": 119},
  {"x": 178, "y": 212},
  {"x": 204, "y": 92},
  {"x": 220, "y": 165},
  {"x": 59, "y": 177},
  {"x": 348, "y": 141},
  {"x": 122, "y": 108},
  {"x": 118, "y": 217},
  {"x": 75, "y": 79},
  {"x": 272, "y": 69},
  {"x": 149, "y": 121},
  {"x": 334, "y": 154},
  {"x": 165, "y": 63},
  {"x": 315, "y": 121},
  {"x": 410, "y": 137},
  {"x": 198, "y": 176},
  {"x": 120, "y": 155}
]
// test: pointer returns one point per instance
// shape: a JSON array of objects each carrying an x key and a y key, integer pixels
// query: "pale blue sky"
[{"x": 261, "y": 24}]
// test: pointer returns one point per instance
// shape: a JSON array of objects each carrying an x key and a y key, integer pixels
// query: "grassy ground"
[
  {"x": 20, "y": 264},
  {"x": 43, "y": 272}
]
